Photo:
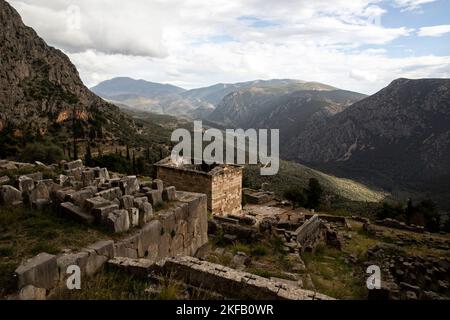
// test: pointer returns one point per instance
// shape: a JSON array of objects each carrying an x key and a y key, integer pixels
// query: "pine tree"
[
  {"x": 134, "y": 163},
  {"x": 128, "y": 153}
]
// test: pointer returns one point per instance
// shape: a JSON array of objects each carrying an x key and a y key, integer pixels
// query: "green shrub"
[{"x": 47, "y": 153}]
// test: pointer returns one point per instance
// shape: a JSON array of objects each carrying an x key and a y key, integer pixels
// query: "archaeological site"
[{"x": 326, "y": 194}]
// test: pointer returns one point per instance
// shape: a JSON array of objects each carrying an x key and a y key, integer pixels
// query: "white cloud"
[
  {"x": 409, "y": 5},
  {"x": 434, "y": 31},
  {"x": 195, "y": 43}
]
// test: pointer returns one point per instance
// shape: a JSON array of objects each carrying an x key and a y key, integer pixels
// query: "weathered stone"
[
  {"x": 41, "y": 204},
  {"x": 145, "y": 213},
  {"x": 40, "y": 271},
  {"x": 87, "y": 177},
  {"x": 9, "y": 195},
  {"x": 155, "y": 197},
  {"x": 71, "y": 259},
  {"x": 96, "y": 202},
  {"x": 25, "y": 184},
  {"x": 126, "y": 202},
  {"x": 118, "y": 221},
  {"x": 150, "y": 237},
  {"x": 134, "y": 216},
  {"x": 110, "y": 194},
  {"x": 138, "y": 267},
  {"x": 8, "y": 166},
  {"x": 101, "y": 213},
  {"x": 79, "y": 197},
  {"x": 103, "y": 248},
  {"x": 36, "y": 176},
  {"x": 62, "y": 195},
  {"x": 102, "y": 173},
  {"x": 129, "y": 185},
  {"x": 158, "y": 185},
  {"x": 41, "y": 191},
  {"x": 94, "y": 261},
  {"x": 73, "y": 165},
  {"x": 240, "y": 261},
  {"x": 30, "y": 292},
  {"x": 76, "y": 213},
  {"x": 4, "y": 180},
  {"x": 169, "y": 194},
  {"x": 122, "y": 250}
]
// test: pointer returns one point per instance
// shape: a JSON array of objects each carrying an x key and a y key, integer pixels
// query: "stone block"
[
  {"x": 158, "y": 185},
  {"x": 118, "y": 221},
  {"x": 79, "y": 197},
  {"x": 150, "y": 237},
  {"x": 94, "y": 261},
  {"x": 30, "y": 292},
  {"x": 110, "y": 194},
  {"x": 169, "y": 194},
  {"x": 40, "y": 271},
  {"x": 134, "y": 216},
  {"x": 122, "y": 250},
  {"x": 9, "y": 195},
  {"x": 76, "y": 213},
  {"x": 4, "y": 180},
  {"x": 36, "y": 176},
  {"x": 73, "y": 165},
  {"x": 138, "y": 201},
  {"x": 62, "y": 195},
  {"x": 41, "y": 191},
  {"x": 102, "y": 173},
  {"x": 155, "y": 197},
  {"x": 71, "y": 259},
  {"x": 103, "y": 248},
  {"x": 87, "y": 177},
  {"x": 101, "y": 213},
  {"x": 145, "y": 213},
  {"x": 25, "y": 184},
  {"x": 96, "y": 202},
  {"x": 127, "y": 202},
  {"x": 129, "y": 185}
]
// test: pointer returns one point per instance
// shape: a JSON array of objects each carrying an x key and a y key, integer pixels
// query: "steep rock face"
[
  {"x": 402, "y": 132},
  {"x": 40, "y": 89}
]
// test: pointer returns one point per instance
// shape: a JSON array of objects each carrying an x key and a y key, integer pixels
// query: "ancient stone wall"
[
  {"x": 232, "y": 283},
  {"x": 226, "y": 195},
  {"x": 222, "y": 185},
  {"x": 180, "y": 230},
  {"x": 186, "y": 180}
]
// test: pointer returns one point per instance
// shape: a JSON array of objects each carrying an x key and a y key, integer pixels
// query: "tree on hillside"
[
  {"x": 88, "y": 155},
  {"x": 296, "y": 197},
  {"x": 313, "y": 193}
]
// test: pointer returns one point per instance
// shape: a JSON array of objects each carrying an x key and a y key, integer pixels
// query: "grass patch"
[{"x": 26, "y": 232}]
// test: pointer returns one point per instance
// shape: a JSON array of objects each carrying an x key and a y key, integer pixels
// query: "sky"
[{"x": 358, "y": 45}]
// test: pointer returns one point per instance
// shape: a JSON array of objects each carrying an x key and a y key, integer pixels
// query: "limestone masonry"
[{"x": 221, "y": 183}]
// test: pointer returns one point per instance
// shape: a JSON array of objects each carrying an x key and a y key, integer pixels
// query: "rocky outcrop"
[
  {"x": 401, "y": 132},
  {"x": 41, "y": 91}
]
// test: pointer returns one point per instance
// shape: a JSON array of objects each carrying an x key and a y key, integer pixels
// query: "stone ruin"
[
  {"x": 123, "y": 205},
  {"x": 221, "y": 183},
  {"x": 164, "y": 240},
  {"x": 299, "y": 231},
  {"x": 223, "y": 282}
]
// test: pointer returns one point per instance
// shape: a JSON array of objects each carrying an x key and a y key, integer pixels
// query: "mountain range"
[{"x": 398, "y": 138}]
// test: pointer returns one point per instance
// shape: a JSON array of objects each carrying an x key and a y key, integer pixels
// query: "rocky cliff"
[
  {"x": 401, "y": 133},
  {"x": 41, "y": 91}
]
